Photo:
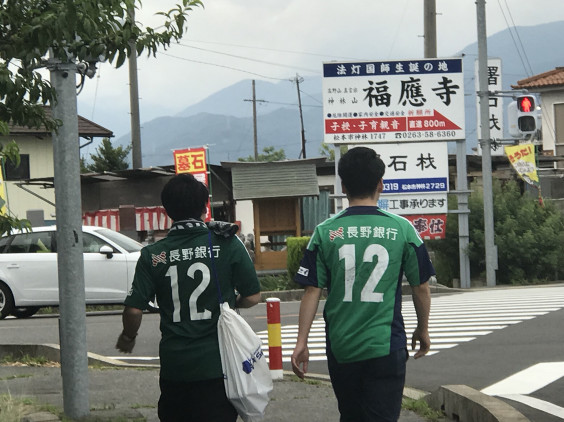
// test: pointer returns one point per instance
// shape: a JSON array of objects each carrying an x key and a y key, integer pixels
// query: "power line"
[
  {"x": 520, "y": 42},
  {"x": 278, "y": 50},
  {"x": 513, "y": 38},
  {"x": 223, "y": 66},
  {"x": 248, "y": 58}
]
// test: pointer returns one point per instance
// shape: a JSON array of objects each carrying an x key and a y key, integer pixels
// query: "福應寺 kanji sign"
[{"x": 398, "y": 101}]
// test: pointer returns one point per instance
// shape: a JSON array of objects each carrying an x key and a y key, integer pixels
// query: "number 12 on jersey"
[{"x": 347, "y": 253}]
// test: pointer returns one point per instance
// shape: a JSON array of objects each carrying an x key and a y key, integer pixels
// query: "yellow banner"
[{"x": 522, "y": 158}]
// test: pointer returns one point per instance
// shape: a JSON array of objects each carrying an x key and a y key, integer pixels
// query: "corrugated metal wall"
[{"x": 315, "y": 210}]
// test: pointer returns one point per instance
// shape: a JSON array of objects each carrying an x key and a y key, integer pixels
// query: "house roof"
[
  {"x": 86, "y": 129},
  {"x": 552, "y": 78},
  {"x": 291, "y": 178}
]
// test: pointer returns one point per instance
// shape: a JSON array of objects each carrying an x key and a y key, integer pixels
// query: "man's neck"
[{"x": 371, "y": 201}]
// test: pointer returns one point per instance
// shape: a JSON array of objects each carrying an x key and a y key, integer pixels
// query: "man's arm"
[
  {"x": 247, "y": 301},
  {"x": 308, "y": 309},
  {"x": 422, "y": 302},
  {"x": 131, "y": 319}
]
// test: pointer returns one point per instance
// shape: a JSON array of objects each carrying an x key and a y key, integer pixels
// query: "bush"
[
  {"x": 529, "y": 238},
  {"x": 296, "y": 247}
]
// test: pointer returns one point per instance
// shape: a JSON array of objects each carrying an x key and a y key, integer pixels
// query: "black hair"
[
  {"x": 184, "y": 197},
  {"x": 360, "y": 170}
]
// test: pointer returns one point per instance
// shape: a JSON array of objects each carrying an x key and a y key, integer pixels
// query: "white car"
[{"x": 29, "y": 275}]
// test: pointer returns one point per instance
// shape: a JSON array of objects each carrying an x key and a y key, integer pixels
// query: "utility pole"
[
  {"x": 136, "y": 156},
  {"x": 485, "y": 143},
  {"x": 255, "y": 136},
  {"x": 430, "y": 28},
  {"x": 462, "y": 192},
  {"x": 298, "y": 79},
  {"x": 72, "y": 320}
]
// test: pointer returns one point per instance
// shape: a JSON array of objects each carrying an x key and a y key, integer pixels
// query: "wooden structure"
[{"x": 275, "y": 189}]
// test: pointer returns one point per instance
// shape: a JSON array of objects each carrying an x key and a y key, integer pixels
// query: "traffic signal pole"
[{"x": 485, "y": 143}]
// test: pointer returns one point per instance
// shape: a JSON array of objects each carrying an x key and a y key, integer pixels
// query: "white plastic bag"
[{"x": 245, "y": 370}]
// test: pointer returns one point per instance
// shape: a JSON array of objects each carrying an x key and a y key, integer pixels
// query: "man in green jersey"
[
  {"x": 361, "y": 255},
  {"x": 182, "y": 270}
]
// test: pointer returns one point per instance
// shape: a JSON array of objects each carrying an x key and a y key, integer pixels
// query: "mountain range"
[{"x": 223, "y": 121}]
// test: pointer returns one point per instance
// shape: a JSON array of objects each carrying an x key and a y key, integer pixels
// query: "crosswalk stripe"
[{"x": 454, "y": 319}]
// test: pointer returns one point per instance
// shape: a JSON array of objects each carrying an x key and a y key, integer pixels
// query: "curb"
[
  {"x": 462, "y": 403},
  {"x": 459, "y": 402}
]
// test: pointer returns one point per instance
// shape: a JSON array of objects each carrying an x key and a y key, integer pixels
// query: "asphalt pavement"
[{"x": 131, "y": 393}]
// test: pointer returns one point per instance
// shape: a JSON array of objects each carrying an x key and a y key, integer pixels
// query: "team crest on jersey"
[
  {"x": 333, "y": 234},
  {"x": 303, "y": 271},
  {"x": 158, "y": 259}
]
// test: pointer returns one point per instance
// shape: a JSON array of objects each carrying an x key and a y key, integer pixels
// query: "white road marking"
[
  {"x": 528, "y": 380},
  {"x": 538, "y": 404}
]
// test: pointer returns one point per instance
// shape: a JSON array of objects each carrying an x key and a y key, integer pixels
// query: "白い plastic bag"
[{"x": 246, "y": 373}]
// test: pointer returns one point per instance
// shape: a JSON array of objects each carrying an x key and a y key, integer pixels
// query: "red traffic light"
[{"x": 526, "y": 103}]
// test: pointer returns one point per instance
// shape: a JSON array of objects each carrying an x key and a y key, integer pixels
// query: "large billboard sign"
[{"x": 393, "y": 101}]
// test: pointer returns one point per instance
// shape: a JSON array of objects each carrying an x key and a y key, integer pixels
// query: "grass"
[
  {"x": 26, "y": 360},
  {"x": 13, "y": 409},
  {"x": 422, "y": 408}
]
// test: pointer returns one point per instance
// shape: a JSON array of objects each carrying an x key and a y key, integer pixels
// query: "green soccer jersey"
[
  {"x": 180, "y": 272},
  {"x": 360, "y": 255}
]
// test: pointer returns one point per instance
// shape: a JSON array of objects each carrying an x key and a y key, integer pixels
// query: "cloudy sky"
[{"x": 231, "y": 40}]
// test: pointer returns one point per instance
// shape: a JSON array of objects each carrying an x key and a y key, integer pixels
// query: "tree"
[
  {"x": 10, "y": 152},
  {"x": 107, "y": 158},
  {"x": 85, "y": 30},
  {"x": 326, "y": 151},
  {"x": 529, "y": 237},
  {"x": 269, "y": 154}
]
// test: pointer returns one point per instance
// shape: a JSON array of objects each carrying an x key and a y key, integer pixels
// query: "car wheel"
[
  {"x": 25, "y": 312},
  {"x": 6, "y": 301},
  {"x": 153, "y": 306}
]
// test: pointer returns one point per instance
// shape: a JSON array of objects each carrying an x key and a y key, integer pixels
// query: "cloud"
[{"x": 231, "y": 40}]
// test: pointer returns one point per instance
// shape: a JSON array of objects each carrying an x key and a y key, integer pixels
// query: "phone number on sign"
[{"x": 435, "y": 134}]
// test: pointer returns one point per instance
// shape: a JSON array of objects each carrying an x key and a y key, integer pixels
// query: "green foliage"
[
  {"x": 422, "y": 408},
  {"x": 296, "y": 247},
  {"x": 276, "y": 282},
  {"x": 107, "y": 158},
  {"x": 269, "y": 154},
  {"x": 529, "y": 237},
  {"x": 11, "y": 152},
  {"x": 86, "y": 30},
  {"x": 327, "y": 150}
]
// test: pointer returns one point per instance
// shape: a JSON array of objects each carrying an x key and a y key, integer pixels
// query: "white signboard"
[
  {"x": 495, "y": 104},
  {"x": 416, "y": 178},
  {"x": 393, "y": 101}
]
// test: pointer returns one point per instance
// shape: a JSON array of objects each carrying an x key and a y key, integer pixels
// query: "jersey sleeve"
[
  {"x": 310, "y": 273},
  {"x": 244, "y": 274},
  {"x": 142, "y": 289},
  {"x": 417, "y": 264}
]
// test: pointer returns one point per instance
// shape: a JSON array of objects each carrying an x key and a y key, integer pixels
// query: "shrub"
[
  {"x": 296, "y": 247},
  {"x": 529, "y": 238}
]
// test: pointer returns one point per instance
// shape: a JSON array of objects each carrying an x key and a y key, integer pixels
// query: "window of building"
[{"x": 17, "y": 173}]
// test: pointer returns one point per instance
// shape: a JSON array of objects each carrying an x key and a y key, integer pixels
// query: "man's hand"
[
  {"x": 125, "y": 344},
  {"x": 300, "y": 360},
  {"x": 421, "y": 336}
]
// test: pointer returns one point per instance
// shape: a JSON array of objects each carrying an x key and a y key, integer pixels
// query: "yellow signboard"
[{"x": 522, "y": 158}]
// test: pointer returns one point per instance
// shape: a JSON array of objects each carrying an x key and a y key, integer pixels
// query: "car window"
[
  {"x": 92, "y": 244},
  {"x": 40, "y": 242},
  {"x": 121, "y": 240},
  {"x": 4, "y": 241}
]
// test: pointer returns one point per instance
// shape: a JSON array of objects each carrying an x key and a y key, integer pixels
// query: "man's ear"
[
  {"x": 380, "y": 186},
  {"x": 343, "y": 188}
]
